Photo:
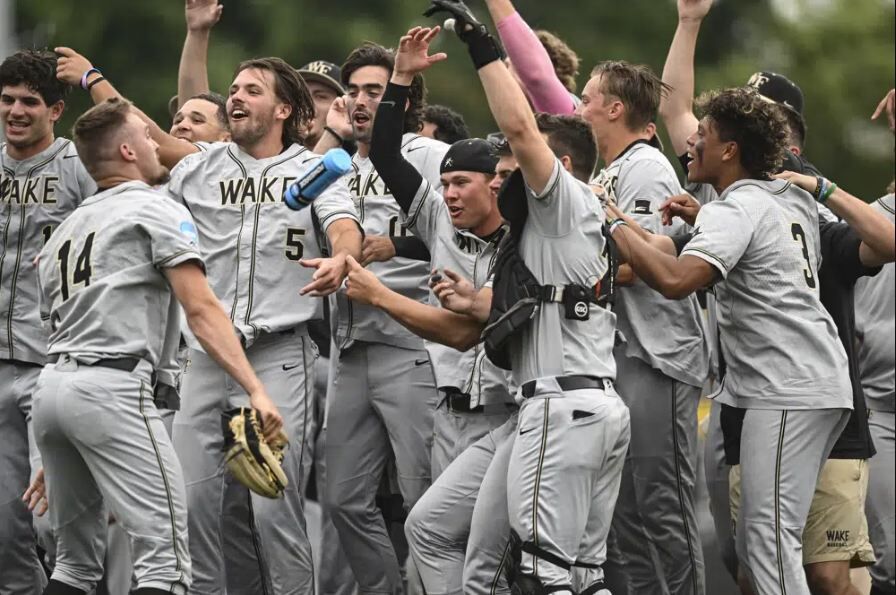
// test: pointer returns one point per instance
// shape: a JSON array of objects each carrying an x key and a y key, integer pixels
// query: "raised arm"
[
  {"x": 677, "y": 108},
  {"x": 192, "y": 74},
  {"x": 72, "y": 67},
  {"x": 878, "y": 234},
  {"x": 530, "y": 60}
]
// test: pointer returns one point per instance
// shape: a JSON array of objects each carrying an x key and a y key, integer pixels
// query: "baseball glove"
[{"x": 252, "y": 460}]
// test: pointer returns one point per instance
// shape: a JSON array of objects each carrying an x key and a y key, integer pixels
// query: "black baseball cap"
[
  {"x": 472, "y": 154},
  {"x": 325, "y": 73},
  {"x": 779, "y": 89}
]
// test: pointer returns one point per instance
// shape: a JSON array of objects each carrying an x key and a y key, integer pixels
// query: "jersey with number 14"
[
  {"x": 779, "y": 343},
  {"x": 251, "y": 241}
]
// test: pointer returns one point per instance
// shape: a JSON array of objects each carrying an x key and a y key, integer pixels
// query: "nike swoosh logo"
[
  {"x": 420, "y": 362},
  {"x": 287, "y": 367},
  {"x": 414, "y": 149},
  {"x": 527, "y": 431}
]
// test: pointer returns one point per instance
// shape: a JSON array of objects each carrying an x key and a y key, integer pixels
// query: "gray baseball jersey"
[
  {"x": 472, "y": 257},
  {"x": 875, "y": 328},
  {"x": 563, "y": 243},
  {"x": 252, "y": 242},
  {"x": 138, "y": 231},
  {"x": 36, "y": 195},
  {"x": 667, "y": 334},
  {"x": 380, "y": 215},
  {"x": 779, "y": 342}
]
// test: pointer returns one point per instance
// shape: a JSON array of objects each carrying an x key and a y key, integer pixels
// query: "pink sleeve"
[{"x": 533, "y": 65}]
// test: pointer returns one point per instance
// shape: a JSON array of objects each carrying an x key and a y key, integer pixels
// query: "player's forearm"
[
  {"x": 345, "y": 238},
  {"x": 876, "y": 231},
  {"x": 676, "y": 109},
  {"x": 659, "y": 270},
  {"x": 430, "y": 323},
  {"x": 192, "y": 73},
  {"x": 533, "y": 65}
]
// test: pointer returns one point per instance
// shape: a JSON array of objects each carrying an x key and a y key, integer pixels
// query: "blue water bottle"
[{"x": 329, "y": 168}]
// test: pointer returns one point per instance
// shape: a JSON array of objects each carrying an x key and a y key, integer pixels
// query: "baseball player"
[
  {"x": 567, "y": 455},
  {"x": 382, "y": 395},
  {"x": 42, "y": 182},
  {"x": 758, "y": 246},
  {"x": 103, "y": 442},
  {"x": 461, "y": 231},
  {"x": 874, "y": 333},
  {"x": 203, "y": 118},
  {"x": 252, "y": 244},
  {"x": 660, "y": 374}
]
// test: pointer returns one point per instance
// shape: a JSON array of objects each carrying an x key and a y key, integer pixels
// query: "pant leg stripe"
[
  {"x": 155, "y": 447},
  {"x": 681, "y": 499},
  {"x": 256, "y": 545},
  {"x": 503, "y": 563},
  {"x": 543, "y": 447},
  {"x": 309, "y": 398},
  {"x": 781, "y": 580}
]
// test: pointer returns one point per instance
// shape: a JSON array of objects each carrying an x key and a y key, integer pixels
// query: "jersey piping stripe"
[
  {"x": 15, "y": 273},
  {"x": 155, "y": 447},
  {"x": 537, "y": 488},
  {"x": 412, "y": 217},
  {"x": 780, "y": 558},
  {"x": 251, "y": 295},
  {"x": 239, "y": 237},
  {"x": 885, "y": 206},
  {"x": 685, "y": 521}
]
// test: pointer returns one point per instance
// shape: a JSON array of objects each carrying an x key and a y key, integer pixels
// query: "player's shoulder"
[{"x": 887, "y": 204}]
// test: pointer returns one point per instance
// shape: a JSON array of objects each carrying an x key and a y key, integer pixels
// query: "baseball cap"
[
  {"x": 472, "y": 154},
  {"x": 325, "y": 73},
  {"x": 778, "y": 89}
]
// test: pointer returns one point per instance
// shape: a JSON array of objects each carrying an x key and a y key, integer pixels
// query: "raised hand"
[
  {"x": 465, "y": 22},
  {"x": 202, "y": 15},
  {"x": 413, "y": 52},
  {"x": 693, "y": 10},
  {"x": 887, "y": 105},
  {"x": 71, "y": 66},
  {"x": 338, "y": 120},
  {"x": 454, "y": 292}
]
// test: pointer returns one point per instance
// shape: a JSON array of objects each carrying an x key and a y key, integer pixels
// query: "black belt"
[
  {"x": 576, "y": 382},
  {"x": 458, "y": 402},
  {"x": 125, "y": 364}
]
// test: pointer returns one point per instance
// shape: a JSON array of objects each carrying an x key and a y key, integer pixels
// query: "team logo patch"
[
  {"x": 642, "y": 207},
  {"x": 188, "y": 229}
]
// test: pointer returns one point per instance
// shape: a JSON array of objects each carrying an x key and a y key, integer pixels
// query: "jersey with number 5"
[
  {"x": 251, "y": 241},
  {"x": 779, "y": 342},
  {"x": 103, "y": 289}
]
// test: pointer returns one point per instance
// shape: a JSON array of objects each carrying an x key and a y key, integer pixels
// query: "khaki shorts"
[{"x": 836, "y": 529}]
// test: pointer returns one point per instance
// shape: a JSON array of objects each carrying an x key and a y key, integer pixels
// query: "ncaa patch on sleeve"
[{"x": 188, "y": 229}]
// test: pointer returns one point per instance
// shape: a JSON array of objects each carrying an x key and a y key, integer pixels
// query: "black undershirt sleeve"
[
  {"x": 410, "y": 247},
  {"x": 681, "y": 241},
  {"x": 400, "y": 176}
]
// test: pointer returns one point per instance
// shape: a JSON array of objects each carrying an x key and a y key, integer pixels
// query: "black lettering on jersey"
[
  {"x": 29, "y": 191},
  {"x": 608, "y": 181},
  {"x": 368, "y": 185},
  {"x": 266, "y": 190},
  {"x": 467, "y": 244}
]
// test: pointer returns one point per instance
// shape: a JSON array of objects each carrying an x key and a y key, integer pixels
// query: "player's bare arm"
[
  {"x": 878, "y": 234},
  {"x": 888, "y": 105},
  {"x": 430, "y": 323},
  {"x": 214, "y": 331},
  {"x": 675, "y": 278},
  {"x": 677, "y": 108},
  {"x": 346, "y": 239},
  {"x": 72, "y": 67},
  {"x": 192, "y": 74}
]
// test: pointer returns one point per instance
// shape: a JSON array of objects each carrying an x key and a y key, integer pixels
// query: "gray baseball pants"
[
  {"x": 716, "y": 472},
  {"x": 455, "y": 432},
  {"x": 563, "y": 477},
  {"x": 105, "y": 450},
  {"x": 656, "y": 520},
  {"x": 439, "y": 526},
  {"x": 20, "y": 569},
  {"x": 781, "y": 456},
  {"x": 381, "y": 401},
  {"x": 256, "y": 544},
  {"x": 880, "y": 502}
]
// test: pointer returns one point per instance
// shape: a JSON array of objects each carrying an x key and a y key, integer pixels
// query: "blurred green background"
[{"x": 840, "y": 51}]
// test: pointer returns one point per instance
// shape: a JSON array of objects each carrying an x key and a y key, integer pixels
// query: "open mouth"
[
  {"x": 238, "y": 114},
  {"x": 16, "y": 125},
  {"x": 360, "y": 119},
  {"x": 455, "y": 211}
]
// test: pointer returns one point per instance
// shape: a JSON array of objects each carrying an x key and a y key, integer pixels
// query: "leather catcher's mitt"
[{"x": 252, "y": 460}]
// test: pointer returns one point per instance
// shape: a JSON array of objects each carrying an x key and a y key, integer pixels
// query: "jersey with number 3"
[
  {"x": 779, "y": 342},
  {"x": 103, "y": 289},
  {"x": 251, "y": 241}
]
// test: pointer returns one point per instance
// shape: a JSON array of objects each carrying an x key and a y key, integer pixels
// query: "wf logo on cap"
[{"x": 319, "y": 67}]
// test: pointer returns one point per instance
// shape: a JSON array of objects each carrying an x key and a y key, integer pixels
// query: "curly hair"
[
  {"x": 450, "y": 125},
  {"x": 636, "y": 86},
  {"x": 758, "y": 127},
  {"x": 564, "y": 59},
  {"x": 570, "y": 136},
  {"x": 291, "y": 90},
  {"x": 373, "y": 54},
  {"x": 36, "y": 69}
]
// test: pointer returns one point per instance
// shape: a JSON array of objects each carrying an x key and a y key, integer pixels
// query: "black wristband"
[
  {"x": 335, "y": 134},
  {"x": 483, "y": 50},
  {"x": 95, "y": 82}
]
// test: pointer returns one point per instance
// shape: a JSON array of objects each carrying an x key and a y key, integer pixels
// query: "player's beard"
[
  {"x": 159, "y": 177},
  {"x": 248, "y": 134}
]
